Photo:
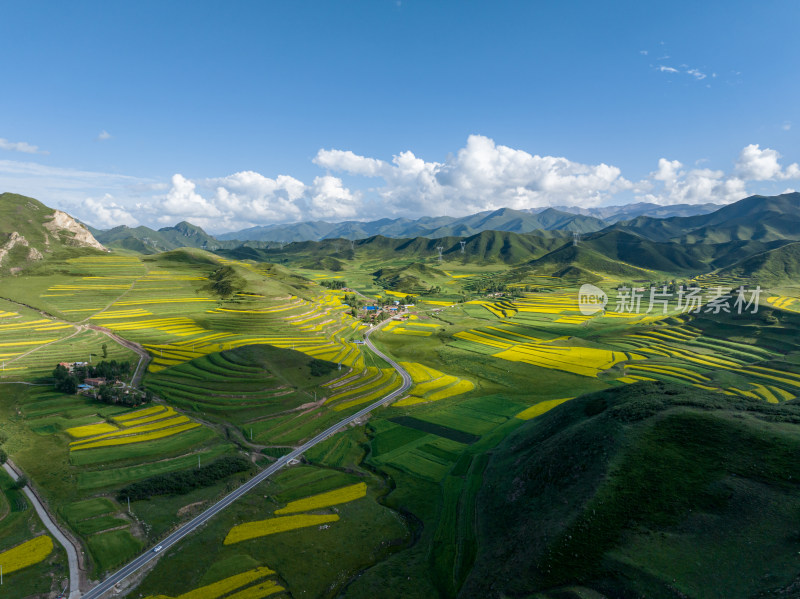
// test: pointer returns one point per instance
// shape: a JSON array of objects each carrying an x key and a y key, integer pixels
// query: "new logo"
[{"x": 591, "y": 299}]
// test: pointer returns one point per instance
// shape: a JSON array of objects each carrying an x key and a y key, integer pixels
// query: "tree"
[
  {"x": 3, "y": 456},
  {"x": 68, "y": 385},
  {"x": 106, "y": 395},
  {"x": 104, "y": 347},
  {"x": 21, "y": 483}
]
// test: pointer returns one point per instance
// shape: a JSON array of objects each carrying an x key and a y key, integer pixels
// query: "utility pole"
[{"x": 129, "y": 504}]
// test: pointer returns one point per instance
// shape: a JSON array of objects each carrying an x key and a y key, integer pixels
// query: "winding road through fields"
[
  {"x": 50, "y": 525},
  {"x": 223, "y": 503}
]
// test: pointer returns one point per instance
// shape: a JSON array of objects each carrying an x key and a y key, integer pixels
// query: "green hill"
[
  {"x": 414, "y": 278},
  {"x": 649, "y": 490},
  {"x": 759, "y": 218},
  {"x": 149, "y": 241},
  {"x": 31, "y": 232},
  {"x": 487, "y": 247},
  {"x": 774, "y": 266}
]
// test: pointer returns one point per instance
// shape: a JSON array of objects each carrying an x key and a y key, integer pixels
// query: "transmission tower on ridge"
[
  {"x": 576, "y": 238},
  {"x": 463, "y": 243},
  {"x": 439, "y": 249}
]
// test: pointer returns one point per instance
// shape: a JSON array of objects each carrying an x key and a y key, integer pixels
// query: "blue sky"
[{"x": 241, "y": 113}]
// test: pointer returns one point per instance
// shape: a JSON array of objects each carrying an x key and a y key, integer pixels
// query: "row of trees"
[
  {"x": 126, "y": 396},
  {"x": 184, "y": 481}
]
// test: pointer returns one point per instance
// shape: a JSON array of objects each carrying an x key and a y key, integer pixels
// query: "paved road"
[
  {"x": 201, "y": 519},
  {"x": 72, "y": 555}
]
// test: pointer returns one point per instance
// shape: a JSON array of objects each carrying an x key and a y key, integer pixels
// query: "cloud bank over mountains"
[{"x": 482, "y": 175}]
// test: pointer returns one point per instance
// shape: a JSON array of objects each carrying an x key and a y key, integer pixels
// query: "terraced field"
[
  {"x": 431, "y": 385},
  {"x": 252, "y": 584},
  {"x": 480, "y": 368}
]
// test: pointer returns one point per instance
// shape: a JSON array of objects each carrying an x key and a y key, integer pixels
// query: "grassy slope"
[
  {"x": 650, "y": 489},
  {"x": 774, "y": 266},
  {"x": 18, "y": 524},
  {"x": 27, "y": 216}
]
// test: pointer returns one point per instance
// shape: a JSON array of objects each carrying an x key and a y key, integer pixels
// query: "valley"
[{"x": 516, "y": 392}]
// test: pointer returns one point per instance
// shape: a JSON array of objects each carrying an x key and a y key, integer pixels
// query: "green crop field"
[{"x": 114, "y": 548}]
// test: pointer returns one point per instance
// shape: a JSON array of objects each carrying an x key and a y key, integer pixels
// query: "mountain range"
[
  {"x": 571, "y": 219},
  {"x": 746, "y": 238},
  {"x": 562, "y": 218}
]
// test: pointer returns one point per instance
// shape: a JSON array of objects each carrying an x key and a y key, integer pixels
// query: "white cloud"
[
  {"x": 787, "y": 126},
  {"x": 672, "y": 185},
  {"x": 664, "y": 69},
  {"x": 103, "y": 135},
  {"x": 762, "y": 165},
  {"x": 668, "y": 170},
  {"x": 339, "y": 160},
  {"x": 20, "y": 146},
  {"x": 697, "y": 74},
  {"x": 67, "y": 188},
  {"x": 330, "y": 199},
  {"x": 182, "y": 200},
  {"x": 481, "y": 176},
  {"x": 643, "y": 52},
  {"x": 105, "y": 213}
]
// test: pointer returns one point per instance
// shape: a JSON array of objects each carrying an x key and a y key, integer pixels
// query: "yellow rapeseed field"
[
  {"x": 541, "y": 407},
  {"x": 584, "y": 361},
  {"x": 138, "y": 429},
  {"x": 89, "y": 430},
  {"x": 335, "y": 497},
  {"x": 27, "y": 343},
  {"x": 261, "y": 528},
  {"x": 139, "y": 413},
  {"x": 458, "y": 388},
  {"x": 159, "y": 434},
  {"x": 144, "y": 419},
  {"x": 265, "y": 589},
  {"x": 784, "y": 303},
  {"x": 28, "y": 553},
  {"x": 224, "y": 586}
]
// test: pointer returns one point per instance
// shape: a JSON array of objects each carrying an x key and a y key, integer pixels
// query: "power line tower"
[
  {"x": 463, "y": 243},
  {"x": 353, "y": 244},
  {"x": 576, "y": 238},
  {"x": 439, "y": 249}
]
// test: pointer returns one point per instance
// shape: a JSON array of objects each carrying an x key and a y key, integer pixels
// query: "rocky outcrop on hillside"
[
  {"x": 31, "y": 232},
  {"x": 61, "y": 221},
  {"x": 13, "y": 241}
]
